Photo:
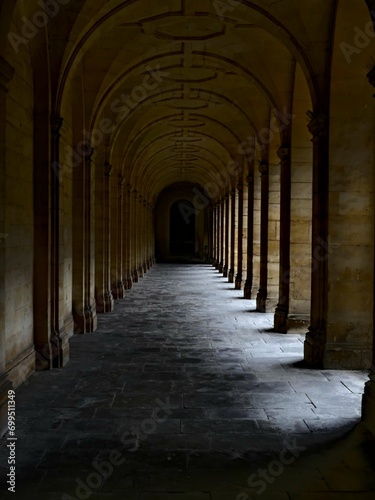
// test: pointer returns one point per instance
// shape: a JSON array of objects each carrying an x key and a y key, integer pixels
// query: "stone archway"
[{"x": 182, "y": 229}]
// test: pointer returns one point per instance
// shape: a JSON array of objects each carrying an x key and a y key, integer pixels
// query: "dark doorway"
[{"x": 182, "y": 229}]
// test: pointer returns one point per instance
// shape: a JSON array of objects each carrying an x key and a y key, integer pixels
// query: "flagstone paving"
[{"x": 185, "y": 393}]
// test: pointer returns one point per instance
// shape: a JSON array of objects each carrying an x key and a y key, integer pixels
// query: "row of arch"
[{"x": 78, "y": 209}]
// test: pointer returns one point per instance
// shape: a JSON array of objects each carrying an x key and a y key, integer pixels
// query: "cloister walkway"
[{"x": 185, "y": 393}]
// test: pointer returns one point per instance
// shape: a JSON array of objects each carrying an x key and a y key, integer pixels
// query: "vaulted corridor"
[{"x": 174, "y": 398}]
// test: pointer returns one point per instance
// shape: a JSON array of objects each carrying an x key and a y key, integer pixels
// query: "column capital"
[
  {"x": 56, "y": 124},
  {"x": 107, "y": 169},
  {"x": 240, "y": 186},
  {"x": 264, "y": 168},
  {"x": 135, "y": 194},
  {"x": 89, "y": 152},
  {"x": 284, "y": 153},
  {"x": 318, "y": 126},
  {"x": 233, "y": 193},
  {"x": 250, "y": 180},
  {"x": 129, "y": 188},
  {"x": 120, "y": 180},
  {"x": 6, "y": 74}
]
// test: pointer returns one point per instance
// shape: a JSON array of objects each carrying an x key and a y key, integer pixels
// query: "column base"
[
  {"x": 335, "y": 356},
  {"x": 225, "y": 271},
  {"x": 247, "y": 290},
  {"x": 129, "y": 282},
  {"x": 238, "y": 283},
  {"x": 88, "y": 322},
  {"x": 5, "y": 386},
  {"x": 135, "y": 277},
  {"x": 56, "y": 352},
  {"x": 340, "y": 356},
  {"x": 145, "y": 268},
  {"x": 221, "y": 267},
  {"x": 231, "y": 276},
  {"x": 368, "y": 404},
  {"x": 118, "y": 291},
  {"x": 314, "y": 348},
  {"x": 280, "y": 319},
  {"x": 141, "y": 272},
  {"x": 298, "y": 323},
  {"x": 105, "y": 303},
  {"x": 265, "y": 304},
  {"x": 261, "y": 301}
]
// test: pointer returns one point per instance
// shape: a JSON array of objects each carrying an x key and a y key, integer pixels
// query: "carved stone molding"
[
  {"x": 263, "y": 168},
  {"x": 318, "y": 126},
  {"x": 250, "y": 180},
  {"x": 283, "y": 153},
  {"x": 56, "y": 124},
  {"x": 107, "y": 169},
  {"x": 120, "y": 180}
]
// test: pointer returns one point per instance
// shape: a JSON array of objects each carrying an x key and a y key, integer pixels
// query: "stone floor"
[{"x": 184, "y": 393}]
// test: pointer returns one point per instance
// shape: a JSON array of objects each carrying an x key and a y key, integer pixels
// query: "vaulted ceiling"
[{"x": 182, "y": 83}]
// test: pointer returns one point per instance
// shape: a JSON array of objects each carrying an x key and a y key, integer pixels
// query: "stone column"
[
  {"x": 145, "y": 239},
  {"x": 120, "y": 240},
  {"x": 213, "y": 234},
  {"x": 6, "y": 75},
  {"x": 250, "y": 234},
  {"x": 232, "y": 237},
  {"x": 282, "y": 309},
  {"x": 317, "y": 336},
  {"x": 222, "y": 235},
  {"x": 90, "y": 317},
  {"x": 217, "y": 263},
  {"x": 84, "y": 303},
  {"x": 217, "y": 225},
  {"x": 140, "y": 235},
  {"x": 105, "y": 301},
  {"x": 210, "y": 250},
  {"x": 368, "y": 399},
  {"x": 55, "y": 349},
  {"x": 150, "y": 235},
  {"x": 227, "y": 229},
  {"x": 238, "y": 284},
  {"x": 263, "y": 278},
  {"x": 127, "y": 240},
  {"x": 134, "y": 236}
]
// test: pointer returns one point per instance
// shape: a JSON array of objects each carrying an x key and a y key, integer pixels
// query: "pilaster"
[
  {"x": 282, "y": 308},
  {"x": 316, "y": 338},
  {"x": 250, "y": 236},
  {"x": 6, "y": 75},
  {"x": 263, "y": 280},
  {"x": 222, "y": 211},
  {"x": 239, "y": 277},
  {"x": 227, "y": 229},
  {"x": 368, "y": 398},
  {"x": 232, "y": 236}
]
